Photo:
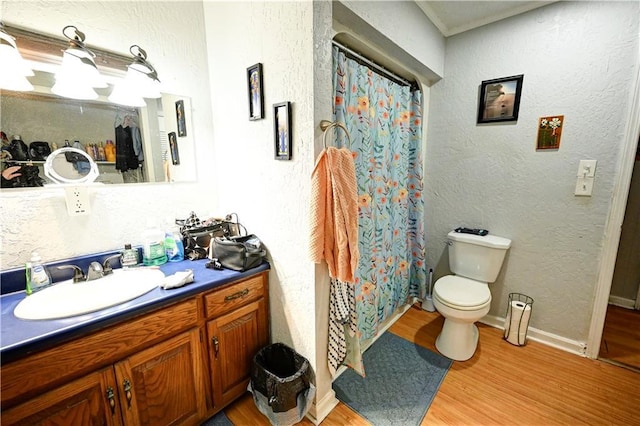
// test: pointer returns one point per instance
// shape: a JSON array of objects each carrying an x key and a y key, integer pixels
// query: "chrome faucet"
[
  {"x": 106, "y": 265},
  {"x": 78, "y": 275},
  {"x": 95, "y": 271}
]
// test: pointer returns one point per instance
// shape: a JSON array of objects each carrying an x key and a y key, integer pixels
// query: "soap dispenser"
[{"x": 36, "y": 274}]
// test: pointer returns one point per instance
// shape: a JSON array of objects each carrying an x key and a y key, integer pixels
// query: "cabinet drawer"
[{"x": 234, "y": 296}]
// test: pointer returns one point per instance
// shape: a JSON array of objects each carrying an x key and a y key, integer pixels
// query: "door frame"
[{"x": 613, "y": 228}]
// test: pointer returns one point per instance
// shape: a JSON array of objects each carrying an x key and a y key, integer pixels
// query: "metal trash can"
[
  {"x": 516, "y": 321},
  {"x": 280, "y": 384}
]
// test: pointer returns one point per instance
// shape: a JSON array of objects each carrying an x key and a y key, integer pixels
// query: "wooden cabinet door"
[
  {"x": 91, "y": 400},
  {"x": 234, "y": 339},
  {"x": 164, "y": 384}
]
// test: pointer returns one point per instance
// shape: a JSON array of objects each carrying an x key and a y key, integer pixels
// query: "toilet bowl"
[
  {"x": 462, "y": 302},
  {"x": 464, "y": 298}
]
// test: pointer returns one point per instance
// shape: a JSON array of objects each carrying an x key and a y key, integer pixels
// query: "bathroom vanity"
[{"x": 168, "y": 357}]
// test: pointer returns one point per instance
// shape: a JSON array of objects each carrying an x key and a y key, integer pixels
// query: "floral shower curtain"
[{"x": 384, "y": 120}]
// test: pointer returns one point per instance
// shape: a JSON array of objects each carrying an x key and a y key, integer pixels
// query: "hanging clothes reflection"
[{"x": 129, "y": 154}]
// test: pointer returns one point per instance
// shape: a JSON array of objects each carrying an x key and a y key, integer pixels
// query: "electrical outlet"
[{"x": 77, "y": 198}]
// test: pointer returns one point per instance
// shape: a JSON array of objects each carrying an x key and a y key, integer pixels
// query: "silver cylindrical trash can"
[{"x": 516, "y": 321}]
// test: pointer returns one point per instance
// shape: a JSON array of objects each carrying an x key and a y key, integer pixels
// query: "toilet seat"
[{"x": 461, "y": 293}]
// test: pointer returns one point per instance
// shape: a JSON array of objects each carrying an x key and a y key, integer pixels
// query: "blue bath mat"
[
  {"x": 219, "y": 419},
  {"x": 402, "y": 380}
]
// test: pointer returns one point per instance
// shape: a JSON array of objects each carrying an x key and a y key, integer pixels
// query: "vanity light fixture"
[
  {"x": 14, "y": 68},
  {"x": 140, "y": 82},
  {"x": 78, "y": 75}
]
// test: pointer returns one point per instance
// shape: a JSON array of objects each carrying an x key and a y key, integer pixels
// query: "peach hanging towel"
[
  {"x": 334, "y": 213},
  {"x": 334, "y": 238}
]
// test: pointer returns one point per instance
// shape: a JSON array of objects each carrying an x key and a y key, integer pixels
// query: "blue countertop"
[{"x": 22, "y": 337}]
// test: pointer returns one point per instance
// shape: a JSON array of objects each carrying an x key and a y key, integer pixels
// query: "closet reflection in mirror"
[{"x": 139, "y": 135}]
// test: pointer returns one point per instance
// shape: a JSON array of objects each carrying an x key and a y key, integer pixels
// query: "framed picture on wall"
[
  {"x": 500, "y": 99},
  {"x": 549, "y": 132},
  {"x": 173, "y": 147},
  {"x": 256, "y": 97},
  {"x": 282, "y": 130},
  {"x": 182, "y": 127}
]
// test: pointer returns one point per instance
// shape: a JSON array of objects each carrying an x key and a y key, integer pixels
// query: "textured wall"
[
  {"x": 172, "y": 33},
  {"x": 271, "y": 196},
  {"x": 406, "y": 25},
  {"x": 578, "y": 59}
]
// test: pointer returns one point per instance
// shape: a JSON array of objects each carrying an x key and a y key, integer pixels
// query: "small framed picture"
[
  {"x": 173, "y": 147},
  {"x": 182, "y": 127},
  {"x": 282, "y": 130},
  {"x": 549, "y": 132},
  {"x": 256, "y": 98},
  {"x": 500, "y": 99}
]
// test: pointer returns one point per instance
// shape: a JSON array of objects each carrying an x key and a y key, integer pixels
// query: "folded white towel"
[{"x": 177, "y": 280}]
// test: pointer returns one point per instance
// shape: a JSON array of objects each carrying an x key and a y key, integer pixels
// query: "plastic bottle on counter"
[
  {"x": 90, "y": 152},
  {"x": 78, "y": 145},
  {"x": 36, "y": 274},
  {"x": 110, "y": 151},
  {"x": 101, "y": 153},
  {"x": 173, "y": 245},
  {"x": 153, "y": 252},
  {"x": 129, "y": 257}
]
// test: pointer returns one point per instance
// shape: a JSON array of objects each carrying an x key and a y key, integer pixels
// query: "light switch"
[
  {"x": 584, "y": 186},
  {"x": 587, "y": 168}
]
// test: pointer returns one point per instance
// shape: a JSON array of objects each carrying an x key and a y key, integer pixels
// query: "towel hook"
[{"x": 326, "y": 125}]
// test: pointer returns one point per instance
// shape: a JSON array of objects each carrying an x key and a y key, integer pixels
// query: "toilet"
[{"x": 464, "y": 298}]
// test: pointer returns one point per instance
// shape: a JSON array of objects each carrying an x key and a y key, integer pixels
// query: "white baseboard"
[
  {"x": 549, "y": 339},
  {"x": 320, "y": 410},
  {"x": 622, "y": 302}
]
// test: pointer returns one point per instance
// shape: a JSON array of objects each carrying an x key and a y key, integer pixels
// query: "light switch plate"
[
  {"x": 584, "y": 186},
  {"x": 587, "y": 168}
]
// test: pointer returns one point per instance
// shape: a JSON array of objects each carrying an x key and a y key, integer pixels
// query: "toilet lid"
[{"x": 460, "y": 291}]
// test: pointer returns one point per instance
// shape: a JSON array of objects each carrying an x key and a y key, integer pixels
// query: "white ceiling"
[{"x": 453, "y": 17}]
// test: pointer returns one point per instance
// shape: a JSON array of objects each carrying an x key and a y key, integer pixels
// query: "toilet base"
[{"x": 457, "y": 340}]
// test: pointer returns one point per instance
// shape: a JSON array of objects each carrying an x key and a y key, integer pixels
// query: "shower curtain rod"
[{"x": 376, "y": 67}]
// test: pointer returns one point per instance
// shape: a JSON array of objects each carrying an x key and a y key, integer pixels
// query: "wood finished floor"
[
  {"x": 504, "y": 385},
  {"x": 621, "y": 336}
]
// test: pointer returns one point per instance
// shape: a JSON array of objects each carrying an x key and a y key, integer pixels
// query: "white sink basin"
[{"x": 67, "y": 299}]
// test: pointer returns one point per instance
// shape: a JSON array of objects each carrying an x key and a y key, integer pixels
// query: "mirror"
[
  {"x": 70, "y": 166},
  {"x": 162, "y": 134}
]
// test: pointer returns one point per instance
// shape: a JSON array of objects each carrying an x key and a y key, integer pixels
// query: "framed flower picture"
[
  {"x": 180, "y": 119},
  {"x": 549, "y": 132},
  {"x": 173, "y": 147},
  {"x": 282, "y": 130},
  {"x": 256, "y": 97}
]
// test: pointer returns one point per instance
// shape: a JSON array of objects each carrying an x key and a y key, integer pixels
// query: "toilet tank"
[{"x": 475, "y": 257}]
